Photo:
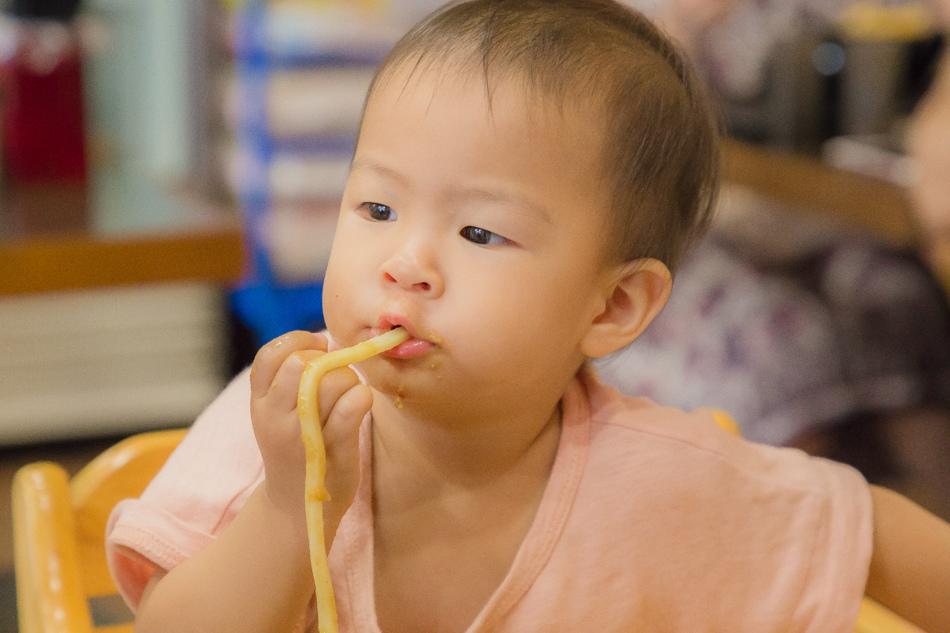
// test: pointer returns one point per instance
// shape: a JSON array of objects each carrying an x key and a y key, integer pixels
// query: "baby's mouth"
[
  {"x": 417, "y": 345},
  {"x": 412, "y": 348}
]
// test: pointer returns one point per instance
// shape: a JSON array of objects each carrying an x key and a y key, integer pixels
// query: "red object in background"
[{"x": 42, "y": 121}]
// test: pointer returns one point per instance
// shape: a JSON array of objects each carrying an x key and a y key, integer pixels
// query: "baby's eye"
[
  {"x": 482, "y": 237},
  {"x": 378, "y": 212}
]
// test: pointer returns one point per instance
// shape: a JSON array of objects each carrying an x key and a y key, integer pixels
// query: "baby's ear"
[{"x": 638, "y": 292}]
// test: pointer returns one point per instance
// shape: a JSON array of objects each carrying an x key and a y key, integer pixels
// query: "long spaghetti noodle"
[{"x": 308, "y": 409}]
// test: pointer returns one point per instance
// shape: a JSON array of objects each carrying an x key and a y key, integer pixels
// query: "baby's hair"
[{"x": 660, "y": 133}]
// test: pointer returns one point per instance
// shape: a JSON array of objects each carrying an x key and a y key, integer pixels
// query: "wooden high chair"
[{"x": 63, "y": 583}]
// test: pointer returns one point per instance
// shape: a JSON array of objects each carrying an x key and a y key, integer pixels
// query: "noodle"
[{"x": 308, "y": 408}]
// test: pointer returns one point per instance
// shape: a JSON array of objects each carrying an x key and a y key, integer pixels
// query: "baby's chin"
[{"x": 397, "y": 379}]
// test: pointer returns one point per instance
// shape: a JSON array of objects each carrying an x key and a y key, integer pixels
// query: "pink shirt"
[{"x": 653, "y": 519}]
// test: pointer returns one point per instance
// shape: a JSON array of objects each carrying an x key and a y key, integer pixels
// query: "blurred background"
[{"x": 171, "y": 173}]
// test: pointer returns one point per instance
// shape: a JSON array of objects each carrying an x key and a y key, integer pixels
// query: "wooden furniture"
[
  {"x": 126, "y": 270},
  {"x": 806, "y": 184},
  {"x": 59, "y": 526},
  {"x": 57, "y": 239}
]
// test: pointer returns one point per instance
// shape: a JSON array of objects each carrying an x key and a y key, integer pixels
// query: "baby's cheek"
[{"x": 336, "y": 320}]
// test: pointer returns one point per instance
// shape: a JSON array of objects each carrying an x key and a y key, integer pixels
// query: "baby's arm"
[
  {"x": 256, "y": 576},
  {"x": 910, "y": 566}
]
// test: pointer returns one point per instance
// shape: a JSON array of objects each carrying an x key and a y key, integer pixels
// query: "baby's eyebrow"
[
  {"x": 371, "y": 165},
  {"x": 467, "y": 194},
  {"x": 513, "y": 200}
]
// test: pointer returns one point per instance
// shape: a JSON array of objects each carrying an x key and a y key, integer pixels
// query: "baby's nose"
[{"x": 413, "y": 271}]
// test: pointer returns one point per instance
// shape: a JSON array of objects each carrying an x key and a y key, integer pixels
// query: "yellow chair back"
[{"x": 63, "y": 583}]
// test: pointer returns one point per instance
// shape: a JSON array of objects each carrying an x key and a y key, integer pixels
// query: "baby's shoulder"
[
  {"x": 616, "y": 418},
  {"x": 692, "y": 449}
]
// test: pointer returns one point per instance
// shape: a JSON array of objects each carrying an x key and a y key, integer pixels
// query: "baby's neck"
[
  {"x": 452, "y": 503},
  {"x": 412, "y": 446}
]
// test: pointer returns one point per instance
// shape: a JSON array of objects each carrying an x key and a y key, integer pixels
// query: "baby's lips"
[
  {"x": 410, "y": 349},
  {"x": 389, "y": 322},
  {"x": 394, "y": 319}
]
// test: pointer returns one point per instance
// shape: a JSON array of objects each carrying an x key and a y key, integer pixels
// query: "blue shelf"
[{"x": 268, "y": 306}]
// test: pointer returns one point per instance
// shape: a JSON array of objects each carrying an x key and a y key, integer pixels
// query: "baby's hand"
[{"x": 344, "y": 402}]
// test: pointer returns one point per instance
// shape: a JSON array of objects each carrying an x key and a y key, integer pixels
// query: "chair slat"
[
  {"x": 120, "y": 472},
  {"x": 50, "y": 597}
]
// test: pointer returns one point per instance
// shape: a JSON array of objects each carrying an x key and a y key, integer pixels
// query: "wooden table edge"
[{"x": 80, "y": 261}]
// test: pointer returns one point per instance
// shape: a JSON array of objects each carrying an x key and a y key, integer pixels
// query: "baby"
[{"x": 528, "y": 173}]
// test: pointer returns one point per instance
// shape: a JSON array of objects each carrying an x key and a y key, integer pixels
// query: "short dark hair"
[{"x": 661, "y": 133}]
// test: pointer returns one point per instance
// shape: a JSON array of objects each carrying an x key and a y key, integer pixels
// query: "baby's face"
[{"x": 482, "y": 232}]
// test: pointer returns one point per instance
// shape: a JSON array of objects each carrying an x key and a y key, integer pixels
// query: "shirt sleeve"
[
  {"x": 841, "y": 558},
  {"x": 787, "y": 537},
  {"x": 725, "y": 534},
  {"x": 192, "y": 499}
]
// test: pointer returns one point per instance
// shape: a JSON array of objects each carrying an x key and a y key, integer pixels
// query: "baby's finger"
[
  {"x": 283, "y": 391},
  {"x": 332, "y": 387},
  {"x": 271, "y": 357},
  {"x": 341, "y": 429}
]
